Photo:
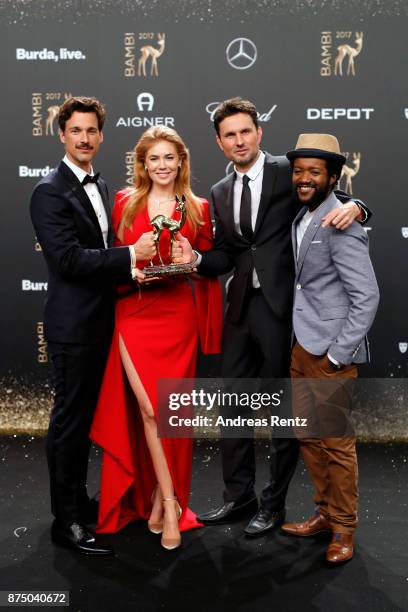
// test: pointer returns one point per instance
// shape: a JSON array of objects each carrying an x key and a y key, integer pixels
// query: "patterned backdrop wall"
[{"x": 314, "y": 66}]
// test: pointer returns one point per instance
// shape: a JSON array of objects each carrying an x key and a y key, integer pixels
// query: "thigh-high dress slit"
[{"x": 160, "y": 327}]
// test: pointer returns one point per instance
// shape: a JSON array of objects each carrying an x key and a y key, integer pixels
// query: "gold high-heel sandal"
[
  {"x": 172, "y": 543},
  {"x": 155, "y": 527}
]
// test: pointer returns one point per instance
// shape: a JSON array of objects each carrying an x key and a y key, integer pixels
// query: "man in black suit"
[
  {"x": 71, "y": 216},
  {"x": 254, "y": 210}
]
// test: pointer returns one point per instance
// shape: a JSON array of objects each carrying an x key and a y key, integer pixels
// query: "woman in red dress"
[{"x": 156, "y": 334}]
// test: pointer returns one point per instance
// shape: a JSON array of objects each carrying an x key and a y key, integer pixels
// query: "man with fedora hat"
[{"x": 334, "y": 306}]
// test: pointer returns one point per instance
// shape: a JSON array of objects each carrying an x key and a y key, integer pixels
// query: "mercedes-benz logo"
[{"x": 241, "y": 53}]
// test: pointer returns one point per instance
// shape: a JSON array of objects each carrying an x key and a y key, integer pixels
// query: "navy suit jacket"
[{"x": 79, "y": 306}]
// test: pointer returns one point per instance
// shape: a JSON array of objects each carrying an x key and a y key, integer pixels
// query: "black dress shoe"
[
  {"x": 229, "y": 512},
  {"x": 78, "y": 538},
  {"x": 263, "y": 521}
]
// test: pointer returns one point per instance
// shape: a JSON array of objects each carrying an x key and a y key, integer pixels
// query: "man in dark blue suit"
[{"x": 71, "y": 216}]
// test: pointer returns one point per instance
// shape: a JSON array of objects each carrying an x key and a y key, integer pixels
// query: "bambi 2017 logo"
[
  {"x": 142, "y": 53},
  {"x": 44, "y": 109},
  {"x": 339, "y": 51}
]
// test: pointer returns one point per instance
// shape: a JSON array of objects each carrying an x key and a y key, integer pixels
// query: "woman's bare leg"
[{"x": 170, "y": 526}]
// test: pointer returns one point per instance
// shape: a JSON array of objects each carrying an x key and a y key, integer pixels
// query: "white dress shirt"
[
  {"x": 95, "y": 197},
  {"x": 301, "y": 228},
  {"x": 255, "y": 175}
]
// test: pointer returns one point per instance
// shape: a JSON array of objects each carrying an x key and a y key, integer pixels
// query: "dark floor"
[{"x": 217, "y": 569}]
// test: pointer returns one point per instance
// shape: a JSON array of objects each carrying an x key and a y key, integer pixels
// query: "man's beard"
[
  {"x": 320, "y": 194},
  {"x": 239, "y": 162}
]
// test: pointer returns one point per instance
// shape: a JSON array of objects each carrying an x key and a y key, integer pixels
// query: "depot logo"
[
  {"x": 49, "y": 55},
  {"x": 330, "y": 114}
]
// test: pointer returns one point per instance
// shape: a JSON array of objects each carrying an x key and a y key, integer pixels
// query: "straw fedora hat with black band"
[{"x": 322, "y": 146}]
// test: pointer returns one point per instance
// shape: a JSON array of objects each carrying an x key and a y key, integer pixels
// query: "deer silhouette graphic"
[
  {"x": 350, "y": 172},
  {"x": 153, "y": 52},
  {"x": 351, "y": 53},
  {"x": 52, "y": 115},
  {"x": 160, "y": 222}
]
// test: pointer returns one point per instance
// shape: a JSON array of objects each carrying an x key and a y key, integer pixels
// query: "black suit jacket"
[
  {"x": 79, "y": 306},
  {"x": 270, "y": 251}
]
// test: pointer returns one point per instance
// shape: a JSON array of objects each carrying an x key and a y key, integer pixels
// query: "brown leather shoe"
[
  {"x": 340, "y": 548},
  {"x": 315, "y": 524}
]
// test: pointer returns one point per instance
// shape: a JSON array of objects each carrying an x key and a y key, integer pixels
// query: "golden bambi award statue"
[{"x": 160, "y": 223}]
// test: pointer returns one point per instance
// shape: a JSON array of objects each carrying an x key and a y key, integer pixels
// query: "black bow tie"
[{"x": 90, "y": 179}]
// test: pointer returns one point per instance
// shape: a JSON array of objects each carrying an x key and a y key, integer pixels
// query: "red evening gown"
[{"x": 160, "y": 326}]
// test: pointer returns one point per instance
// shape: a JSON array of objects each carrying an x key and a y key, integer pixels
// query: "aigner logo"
[
  {"x": 343, "y": 63},
  {"x": 349, "y": 172},
  {"x": 241, "y": 53},
  {"x": 45, "y": 114},
  {"x": 148, "y": 55},
  {"x": 403, "y": 347},
  {"x": 404, "y": 232},
  {"x": 145, "y": 103}
]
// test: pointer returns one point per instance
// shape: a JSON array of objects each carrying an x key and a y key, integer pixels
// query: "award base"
[{"x": 168, "y": 270}]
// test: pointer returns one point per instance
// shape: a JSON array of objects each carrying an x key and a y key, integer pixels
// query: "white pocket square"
[{"x": 316, "y": 242}]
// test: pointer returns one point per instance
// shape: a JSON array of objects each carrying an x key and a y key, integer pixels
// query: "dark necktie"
[
  {"x": 245, "y": 220},
  {"x": 90, "y": 179}
]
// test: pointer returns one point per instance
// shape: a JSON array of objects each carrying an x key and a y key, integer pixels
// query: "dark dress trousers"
[
  {"x": 257, "y": 333},
  {"x": 78, "y": 321}
]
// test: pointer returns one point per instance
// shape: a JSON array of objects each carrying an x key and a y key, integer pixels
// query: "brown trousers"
[{"x": 328, "y": 446}]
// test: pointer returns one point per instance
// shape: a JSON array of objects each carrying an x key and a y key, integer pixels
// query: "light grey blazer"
[{"x": 336, "y": 293}]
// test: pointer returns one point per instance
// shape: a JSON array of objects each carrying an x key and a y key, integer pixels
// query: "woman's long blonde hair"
[{"x": 142, "y": 182}]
